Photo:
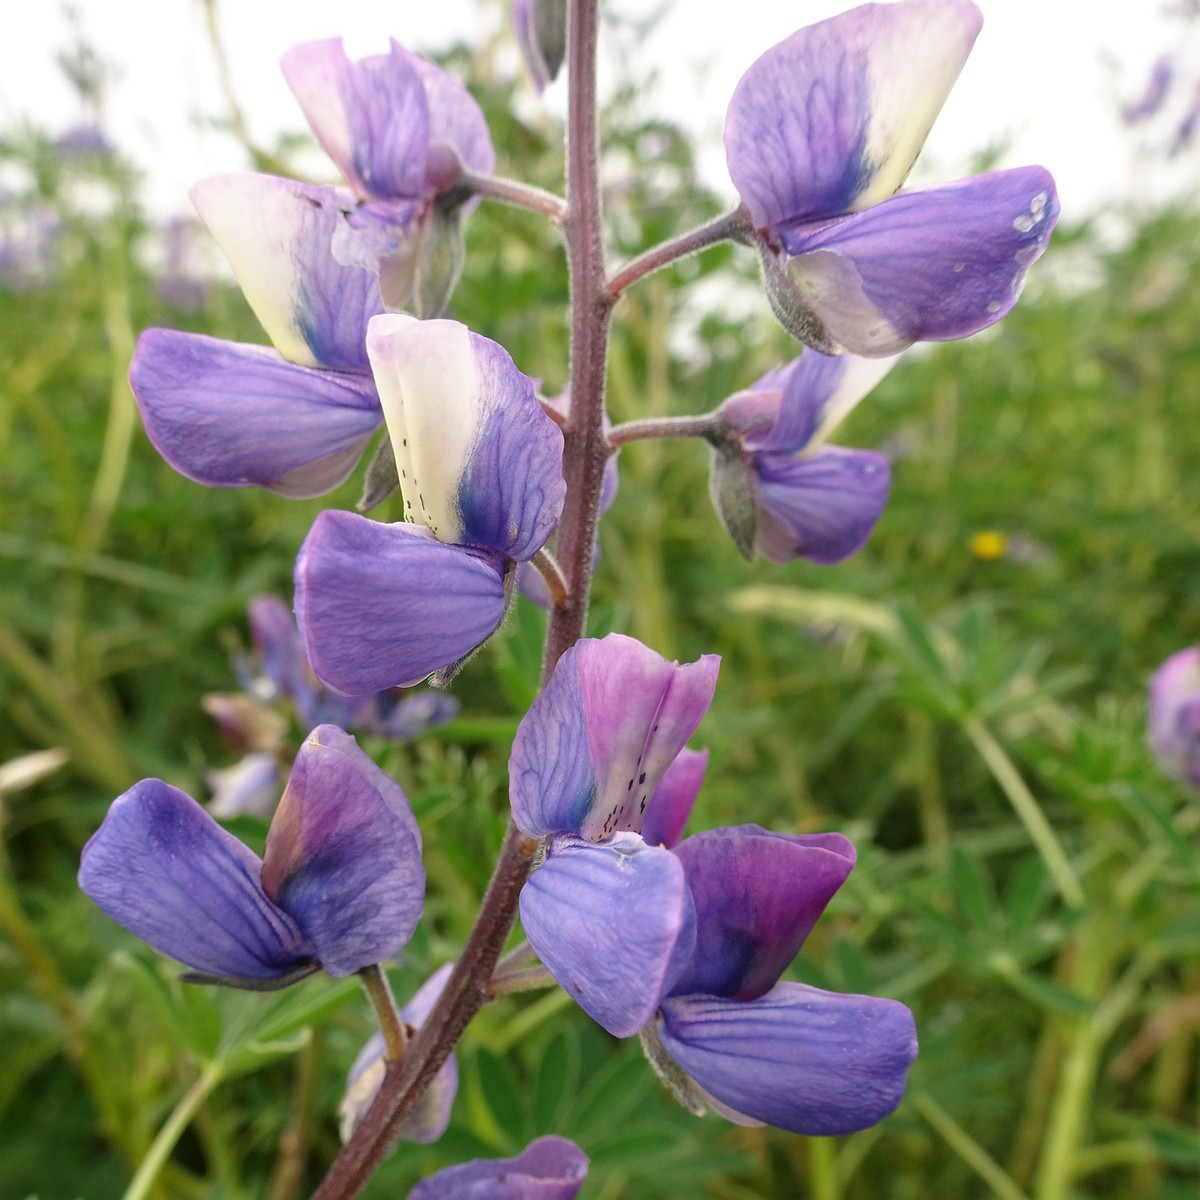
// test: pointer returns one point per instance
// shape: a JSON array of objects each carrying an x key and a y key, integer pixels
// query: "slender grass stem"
[
  {"x": 1028, "y": 811},
  {"x": 969, "y": 1150},
  {"x": 170, "y": 1133}
]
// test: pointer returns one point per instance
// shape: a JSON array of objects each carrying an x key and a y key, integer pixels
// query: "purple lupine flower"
[
  {"x": 609, "y": 913},
  {"x": 340, "y": 884},
  {"x": 549, "y": 1168},
  {"x": 778, "y": 488},
  {"x": 428, "y": 1121},
  {"x": 820, "y": 133},
  {"x": 398, "y": 128},
  {"x": 754, "y": 1049},
  {"x": 1173, "y": 716},
  {"x": 541, "y": 27},
  {"x": 480, "y": 467},
  {"x": 294, "y": 419}
]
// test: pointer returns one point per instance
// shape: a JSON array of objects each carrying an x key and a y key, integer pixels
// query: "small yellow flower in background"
[{"x": 989, "y": 544}]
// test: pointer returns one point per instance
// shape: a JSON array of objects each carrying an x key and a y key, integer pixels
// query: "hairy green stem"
[
  {"x": 391, "y": 1024},
  {"x": 728, "y": 227},
  {"x": 663, "y": 427},
  {"x": 512, "y": 191}
]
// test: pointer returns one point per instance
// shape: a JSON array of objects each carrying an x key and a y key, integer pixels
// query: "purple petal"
[
  {"x": 164, "y": 869},
  {"x": 480, "y": 462},
  {"x": 278, "y": 647},
  {"x": 384, "y": 606},
  {"x": 550, "y": 1168},
  {"x": 230, "y": 415},
  {"x": 278, "y": 236},
  {"x": 757, "y": 894},
  {"x": 371, "y": 116},
  {"x": 831, "y": 119},
  {"x": 614, "y": 924},
  {"x": 593, "y": 747},
  {"x": 456, "y": 125},
  {"x": 342, "y": 857},
  {"x": 1173, "y": 716},
  {"x": 798, "y": 1058},
  {"x": 925, "y": 265},
  {"x": 672, "y": 802},
  {"x": 821, "y": 507}
]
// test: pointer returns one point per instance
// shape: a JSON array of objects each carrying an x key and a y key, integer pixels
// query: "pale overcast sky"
[{"x": 1047, "y": 76}]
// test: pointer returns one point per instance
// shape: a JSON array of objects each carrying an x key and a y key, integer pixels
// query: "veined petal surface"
[
  {"x": 831, "y": 119},
  {"x": 757, "y": 894},
  {"x": 822, "y": 507},
  {"x": 927, "y": 265},
  {"x": 480, "y": 463},
  {"x": 814, "y": 1062},
  {"x": 164, "y": 869},
  {"x": 341, "y": 859},
  {"x": 231, "y": 415},
  {"x": 370, "y": 116},
  {"x": 278, "y": 236},
  {"x": 384, "y": 606},
  {"x": 613, "y": 922},
  {"x": 593, "y": 747}
]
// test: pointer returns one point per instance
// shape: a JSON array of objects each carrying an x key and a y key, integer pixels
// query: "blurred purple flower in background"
[{"x": 1173, "y": 716}]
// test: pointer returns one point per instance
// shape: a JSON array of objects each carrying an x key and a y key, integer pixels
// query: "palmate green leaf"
[
  {"x": 1043, "y": 992},
  {"x": 507, "y": 1101},
  {"x": 1024, "y": 900},
  {"x": 611, "y": 1094},
  {"x": 1173, "y": 1141},
  {"x": 557, "y": 1079},
  {"x": 973, "y": 892},
  {"x": 253, "y": 1054},
  {"x": 186, "y": 1011}
]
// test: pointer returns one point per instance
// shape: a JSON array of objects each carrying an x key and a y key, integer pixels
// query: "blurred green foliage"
[{"x": 964, "y": 698}]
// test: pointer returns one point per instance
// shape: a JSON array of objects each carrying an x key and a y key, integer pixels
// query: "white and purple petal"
[
  {"x": 926, "y": 265},
  {"x": 479, "y": 461},
  {"x": 813, "y": 1062},
  {"x": 384, "y": 606},
  {"x": 822, "y": 507},
  {"x": 231, "y": 415},
  {"x": 278, "y": 236},
  {"x": 342, "y": 856},
  {"x": 757, "y": 894},
  {"x": 429, "y": 1120},
  {"x": 164, "y": 869},
  {"x": 831, "y": 119},
  {"x": 593, "y": 747},
  {"x": 613, "y": 922},
  {"x": 549, "y": 1168}
]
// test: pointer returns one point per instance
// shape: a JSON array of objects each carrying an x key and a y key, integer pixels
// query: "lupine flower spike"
[
  {"x": 340, "y": 884},
  {"x": 820, "y": 133}
]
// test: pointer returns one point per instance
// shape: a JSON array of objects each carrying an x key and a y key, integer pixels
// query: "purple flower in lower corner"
[
  {"x": 777, "y": 486},
  {"x": 820, "y": 133},
  {"x": 1173, "y": 716},
  {"x": 480, "y": 468},
  {"x": 340, "y": 884},
  {"x": 549, "y": 1168},
  {"x": 731, "y": 1037},
  {"x": 597, "y": 759}
]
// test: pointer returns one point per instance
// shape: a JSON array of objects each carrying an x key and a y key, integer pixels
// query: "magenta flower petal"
[
  {"x": 831, "y": 119},
  {"x": 342, "y": 856},
  {"x": 798, "y": 1058},
  {"x": 614, "y": 924},
  {"x": 387, "y": 605},
  {"x": 925, "y": 265},
  {"x": 672, "y": 802},
  {"x": 164, "y": 869},
  {"x": 822, "y": 507},
  {"x": 231, "y": 415},
  {"x": 593, "y": 747},
  {"x": 757, "y": 894},
  {"x": 550, "y": 1168}
]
